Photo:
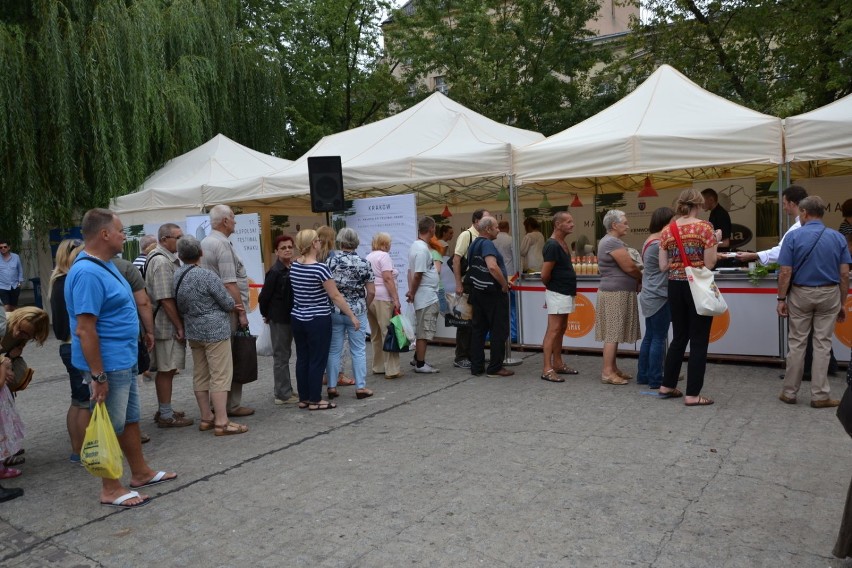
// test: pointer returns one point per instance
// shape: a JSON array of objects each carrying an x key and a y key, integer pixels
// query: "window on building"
[{"x": 441, "y": 85}]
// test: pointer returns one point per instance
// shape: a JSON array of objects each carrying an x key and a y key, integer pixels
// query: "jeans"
[
  {"x": 490, "y": 313},
  {"x": 340, "y": 326},
  {"x": 688, "y": 328},
  {"x": 313, "y": 338},
  {"x": 122, "y": 401},
  {"x": 282, "y": 345},
  {"x": 652, "y": 353}
]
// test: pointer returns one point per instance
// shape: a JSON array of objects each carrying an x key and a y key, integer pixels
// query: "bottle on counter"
[{"x": 595, "y": 270}]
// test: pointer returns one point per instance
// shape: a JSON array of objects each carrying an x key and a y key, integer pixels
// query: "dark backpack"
[{"x": 463, "y": 261}]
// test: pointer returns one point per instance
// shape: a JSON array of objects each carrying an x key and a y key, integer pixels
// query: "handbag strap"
[
  {"x": 808, "y": 255},
  {"x": 649, "y": 243},
  {"x": 676, "y": 234},
  {"x": 99, "y": 263},
  {"x": 180, "y": 280}
]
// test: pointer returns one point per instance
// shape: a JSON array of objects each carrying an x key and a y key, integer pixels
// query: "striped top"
[{"x": 309, "y": 297}]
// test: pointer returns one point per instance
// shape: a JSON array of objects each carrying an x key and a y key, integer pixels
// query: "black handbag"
[
  {"x": 391, "y": 345},
  {"x": 244, "y": 355}
]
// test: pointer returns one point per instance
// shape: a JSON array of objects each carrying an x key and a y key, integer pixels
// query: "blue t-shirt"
[
  {"x": 90, "y": 290},
  {"x": 822, "y": 264},
  {"x": 310, "y": 299}
]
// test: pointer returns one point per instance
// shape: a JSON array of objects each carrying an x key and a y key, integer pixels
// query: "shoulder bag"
[{"x": 705, "y": 294}]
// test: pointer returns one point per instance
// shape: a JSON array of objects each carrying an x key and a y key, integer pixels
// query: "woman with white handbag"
[{"x": 698, "y": 241}]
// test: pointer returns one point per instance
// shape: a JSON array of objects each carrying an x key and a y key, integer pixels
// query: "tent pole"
[{"x": 508, "y": 361}]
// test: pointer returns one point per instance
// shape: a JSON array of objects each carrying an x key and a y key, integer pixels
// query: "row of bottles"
[{"x": 585, "y": 265}]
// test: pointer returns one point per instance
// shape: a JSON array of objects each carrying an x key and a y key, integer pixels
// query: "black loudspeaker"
[{"x": 326, "y": 178}]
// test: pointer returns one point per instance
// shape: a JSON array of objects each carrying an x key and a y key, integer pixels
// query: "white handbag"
[{"x": 705, "y": 294}]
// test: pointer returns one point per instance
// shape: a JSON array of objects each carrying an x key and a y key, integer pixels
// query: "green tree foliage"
[
  {"x": 520, "y": 62},
  {"x": 331, "y": 57},
  {"x": 781, "y": 57},
  {"x": 95, "y": 95}
]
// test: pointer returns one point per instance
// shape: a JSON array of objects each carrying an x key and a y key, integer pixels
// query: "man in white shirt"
[
  {"x": 423, "y": 292},
  {"x": 790, "y": 202}
]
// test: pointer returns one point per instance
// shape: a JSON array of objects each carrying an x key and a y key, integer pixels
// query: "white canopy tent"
[
  {"x": 175, "y": 190},
  {"x": 819, "y": 143},
  {"x": 437, "y": 147},
  {"x": 668, "y": 124}
]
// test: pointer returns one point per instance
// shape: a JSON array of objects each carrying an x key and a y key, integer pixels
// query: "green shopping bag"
[{"x": 399, "y": 331}]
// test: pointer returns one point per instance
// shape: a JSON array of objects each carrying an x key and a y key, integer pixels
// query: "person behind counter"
[{"x": 532, "y": 246}]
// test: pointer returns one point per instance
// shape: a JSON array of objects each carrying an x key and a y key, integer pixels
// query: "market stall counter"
[{"x": 750, "y": 327}]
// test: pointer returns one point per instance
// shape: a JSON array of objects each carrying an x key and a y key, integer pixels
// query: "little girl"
[{"x": 11, "y": 427}]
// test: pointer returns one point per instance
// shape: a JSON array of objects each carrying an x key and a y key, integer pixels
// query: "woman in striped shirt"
[{"x": 313, "y": 286}]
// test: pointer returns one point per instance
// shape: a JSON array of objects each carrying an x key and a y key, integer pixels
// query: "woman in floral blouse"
[
  {"x": 354, "y": 278},
  {"x": 699, "y": 243}
]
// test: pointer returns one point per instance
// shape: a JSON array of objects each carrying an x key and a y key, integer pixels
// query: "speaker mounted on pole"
[{"x": 325, "y": 174}]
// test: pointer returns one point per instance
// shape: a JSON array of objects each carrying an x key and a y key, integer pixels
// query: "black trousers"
[
  {"x": 490, "y": 314},
  {"x": 687, "y": 328}
]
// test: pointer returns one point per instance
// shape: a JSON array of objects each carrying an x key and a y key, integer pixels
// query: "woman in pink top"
[
  {"x": 385, "y": 303},
  {"x": 699, "y": 243}
]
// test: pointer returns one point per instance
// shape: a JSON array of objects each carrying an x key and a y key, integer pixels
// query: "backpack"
[{"x": 463, "y": 261}]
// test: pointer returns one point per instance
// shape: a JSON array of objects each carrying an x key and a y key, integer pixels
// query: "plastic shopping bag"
[
  {"x": 101, "y": 455},
  {"x": 409, "y": 320},
  {"x": 391, "y": 344},
  {"x": 399, "y": 330},
  {"x": 264, "y": 341}
]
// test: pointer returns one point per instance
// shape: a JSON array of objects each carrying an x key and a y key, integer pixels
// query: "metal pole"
[{"x": 508, "y": 360}]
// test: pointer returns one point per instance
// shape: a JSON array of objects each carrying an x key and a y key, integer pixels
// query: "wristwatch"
[{"x": 101, "y": 378}]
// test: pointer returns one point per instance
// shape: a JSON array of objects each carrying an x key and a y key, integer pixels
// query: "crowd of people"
[{"x": 116, "y": 319}]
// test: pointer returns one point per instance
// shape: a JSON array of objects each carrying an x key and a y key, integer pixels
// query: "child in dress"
[{"x": 11, "y": 426}]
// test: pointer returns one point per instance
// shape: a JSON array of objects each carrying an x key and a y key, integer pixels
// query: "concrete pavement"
[{"x": 452, "y": 470}]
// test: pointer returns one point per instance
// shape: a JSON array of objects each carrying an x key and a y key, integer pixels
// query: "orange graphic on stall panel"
[
  {"x": 254, "y": 294},
  {"x": 582, "y": 321},
  {"x": 843, "y": 331},
  {"x": 720, "y": 326}
]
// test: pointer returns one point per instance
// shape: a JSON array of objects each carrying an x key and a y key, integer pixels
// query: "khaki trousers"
[
  {"x": 378, "y": 315},
  {"x": 809, "y": 308}
]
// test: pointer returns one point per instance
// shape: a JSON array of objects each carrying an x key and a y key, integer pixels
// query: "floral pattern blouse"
[
  {"x": 351, "y": 273},
  {"x": 695, "y": 237}
]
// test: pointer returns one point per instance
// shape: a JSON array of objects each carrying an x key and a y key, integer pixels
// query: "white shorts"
[{"x": 558, "y": 303}]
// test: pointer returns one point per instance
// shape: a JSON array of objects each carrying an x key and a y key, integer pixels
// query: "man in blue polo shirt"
[
  {"x": 103, "y": 316},
  {"x": 812, "y": 288}
]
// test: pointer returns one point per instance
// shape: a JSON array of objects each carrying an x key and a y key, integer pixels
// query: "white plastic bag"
[
  {"x": 264, "y": 341},
  {"x": 409, "y": 321}
]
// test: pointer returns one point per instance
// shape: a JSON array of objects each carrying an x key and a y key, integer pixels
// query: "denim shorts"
[
  {"x": 79, "y": 390},
  {"x": 122, "y": 402}
]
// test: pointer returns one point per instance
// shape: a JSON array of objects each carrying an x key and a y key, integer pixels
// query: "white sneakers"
[{"x": 426, "y": 368}]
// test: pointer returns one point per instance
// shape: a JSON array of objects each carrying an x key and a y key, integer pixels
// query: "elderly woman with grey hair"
[
  {"x": 617, "y": 310},
  {"x": 205, "y": 306},
  {"x": 354, "y": 278}
]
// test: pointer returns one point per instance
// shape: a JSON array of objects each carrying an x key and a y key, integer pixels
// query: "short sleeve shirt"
[
  {"x": 563, "y": 279},
  {"x": 613, "y": 278},
  {"x": 351, "y": 273},
  {"x": 310, "y": 299},
  {"x": 480, "y": 277},
  {"x": 420, "y": 261},
  {"x": 381, "y": 262},
  {"x": 696, "y": 237},
  {"x": 464, "y": 241},
  {"x": 160, "y": 283},
  {"x": 219, "y": 256},
  {"x": 108, "y": 297}
]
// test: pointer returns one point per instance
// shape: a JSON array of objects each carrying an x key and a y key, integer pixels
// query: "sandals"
[
  {"x": 550, "y": 376},
  {"x": 321, "y": 405},
  {"x": 613, "y": 380},
  {"x": 344, "y": 381},
  {"x": 17, "y": 459},
  {"x": 230, "y": 429},
  {"x": 205, "y": 425},
  {"x": 675, "y": 393},
  {"x": 624, "y": 375},
  {"x": 332, "y": 393},
  {"x": 303, "y": 405},
  {"x": 365, "y": 393},
  {"x": 702, "y": 401},
  {"x": 9, "y": 472},
  {"x": 566, "y": 370}
]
